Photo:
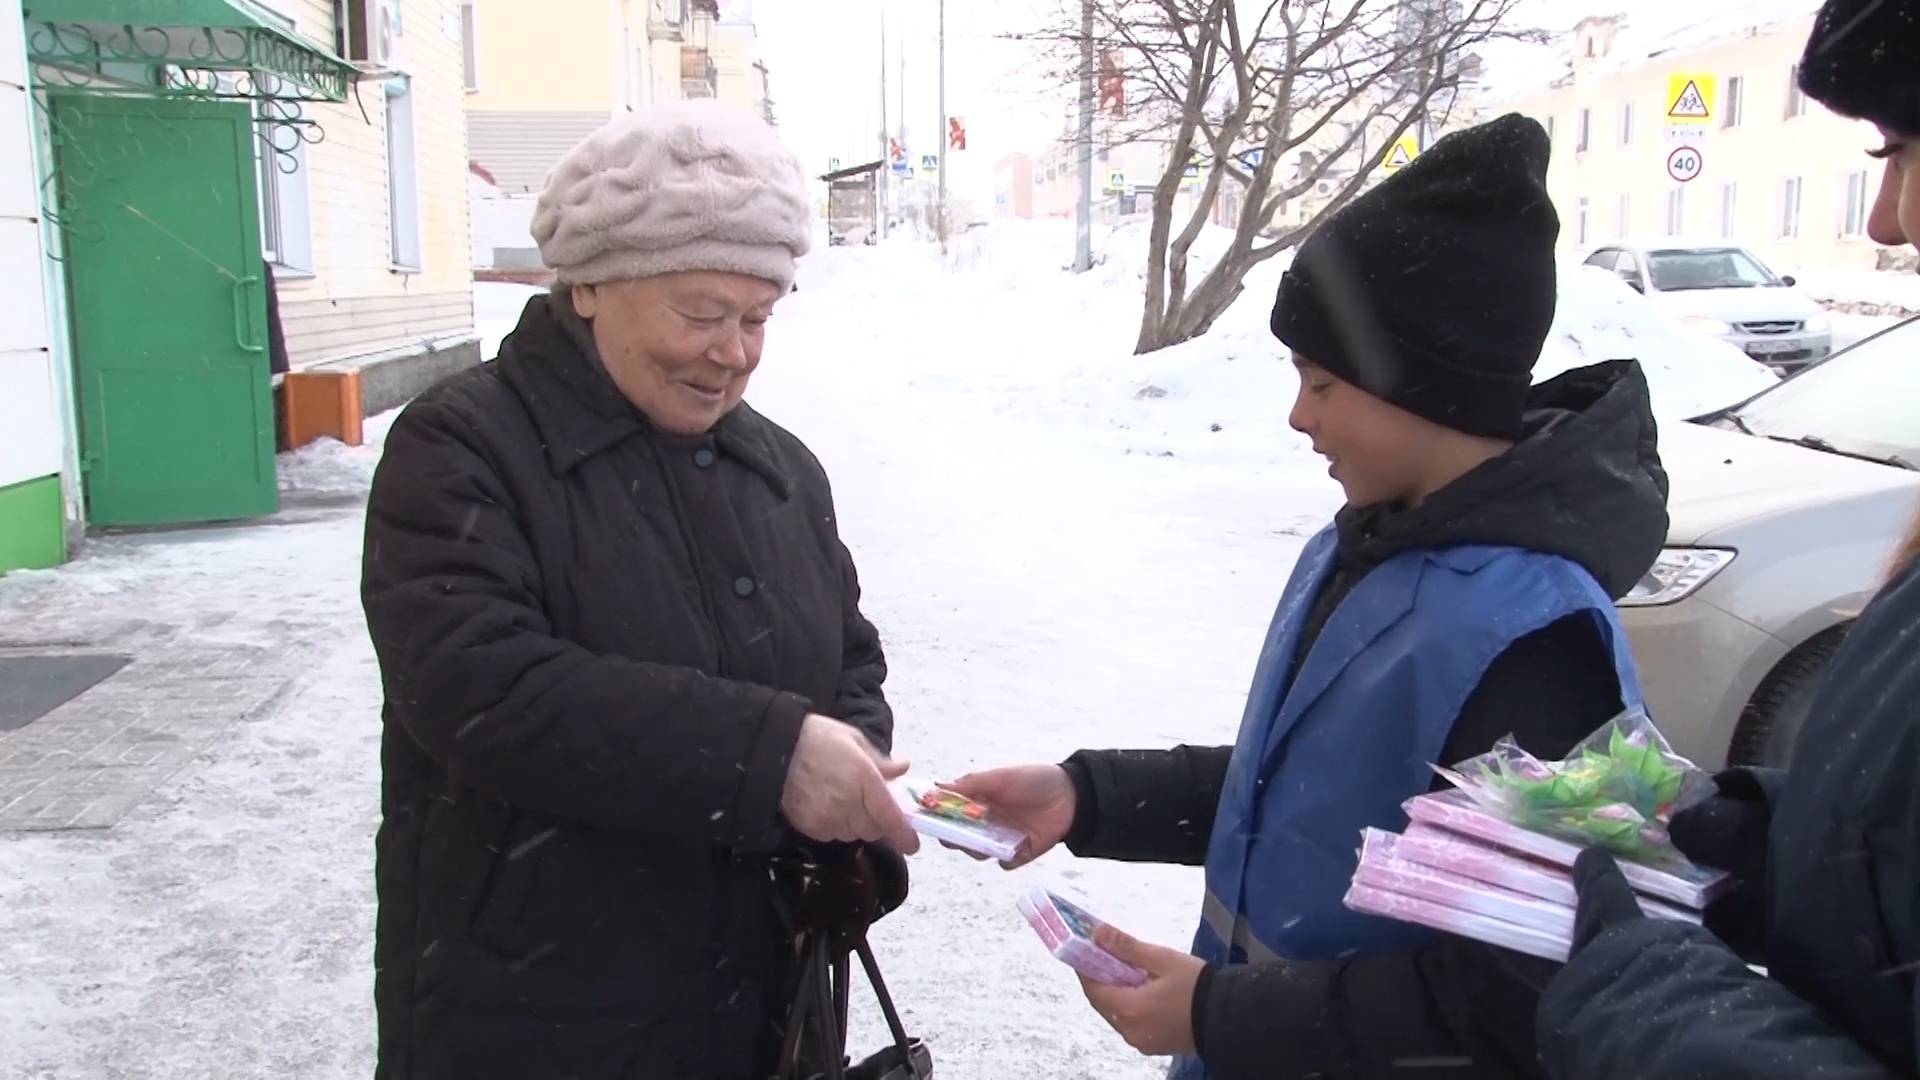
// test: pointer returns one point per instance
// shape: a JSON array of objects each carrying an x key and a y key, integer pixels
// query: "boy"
[{"x": 1464, "y": 593}]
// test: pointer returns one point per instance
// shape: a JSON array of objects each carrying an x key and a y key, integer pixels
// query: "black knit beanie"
[
  {"x": 1863, "y": 61},
  {"x": 1435, "y": 290}
]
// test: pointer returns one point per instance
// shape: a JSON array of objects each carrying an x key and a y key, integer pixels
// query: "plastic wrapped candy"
[
  {"x": 953, "y": 818},
  {"x": 1456, "y": 812},
  {"x": 1067, "y": 931},
  {"x": 1618, "y": 790}
]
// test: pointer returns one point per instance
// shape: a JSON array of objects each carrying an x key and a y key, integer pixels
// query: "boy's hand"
[
  {"x": 1036, "y": 799},
  {"x": 1157, "y": 1018}
]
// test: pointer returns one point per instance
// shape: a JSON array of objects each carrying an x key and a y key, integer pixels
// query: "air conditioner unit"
[{"x": 383, "y": 38}]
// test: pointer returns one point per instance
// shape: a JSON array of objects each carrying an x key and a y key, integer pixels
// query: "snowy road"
[{"x": 1043, "y": 584}]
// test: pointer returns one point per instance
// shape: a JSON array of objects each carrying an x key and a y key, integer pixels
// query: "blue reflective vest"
[{"x": 1351, "y": 739}]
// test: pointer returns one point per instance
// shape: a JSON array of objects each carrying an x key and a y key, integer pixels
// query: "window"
[
  {"x": 1790, "y": 209},
  {"x": 1796, "y": 101},
  {"x": 403, "y": 180},
  {"x": 1733, "y": 110},
  {"x": 1586, "y": 130},
  {"x": 1629, "y": 270},
  {"x": 1626, "y": 124},
  {"x": 286, "y": 229},
  {"x": 1604, "y": 259},
  {"x": 1853, "y": 221},
  {"x": 1729, "y": 209},
  {"x": 1707, "y": 268},
  {"x": 1676, "y": 211},
  {"x": 1622, "y": 216},
  {"x": 470, "y": 45},
  {"x": 1585, "y": 221}
]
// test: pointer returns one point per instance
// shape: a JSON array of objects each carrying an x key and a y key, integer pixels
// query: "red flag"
[
  {"x": 1113, "y": 86},
  {"x": 956, "y": 133}
]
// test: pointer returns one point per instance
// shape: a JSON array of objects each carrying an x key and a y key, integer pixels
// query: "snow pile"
[
  {"x": 330, "y": 467},
  {"x": 1864, "y": 292},
  {"x": 496, "y": 310}
]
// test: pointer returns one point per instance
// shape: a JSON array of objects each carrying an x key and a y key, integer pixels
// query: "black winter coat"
[
  {"x": 598, "y": 643},
  {"x": 1585, "y": 483},
  {"x": 1655, "y": 999}
]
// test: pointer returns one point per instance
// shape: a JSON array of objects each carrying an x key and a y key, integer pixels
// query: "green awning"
[{"x": 218, "y": 48}]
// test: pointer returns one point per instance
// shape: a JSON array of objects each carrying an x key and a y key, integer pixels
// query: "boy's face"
[{"x": 1377, "y": 450}]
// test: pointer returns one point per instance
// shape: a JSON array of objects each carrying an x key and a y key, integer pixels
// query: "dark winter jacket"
[
  {"x": 598, "y": 643},
  {"x": 1585, "y": 483},
  {"x": 1654, "y": 999}
]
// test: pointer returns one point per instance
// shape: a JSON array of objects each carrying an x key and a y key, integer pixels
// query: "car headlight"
[
  {"x": 1677, "y": 574},
  {"x": 1711, "y": 327},
  {"x": 1819, "y": 324}
]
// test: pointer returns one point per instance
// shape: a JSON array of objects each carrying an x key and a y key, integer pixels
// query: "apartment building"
[{"x": 1777, "y": 172}]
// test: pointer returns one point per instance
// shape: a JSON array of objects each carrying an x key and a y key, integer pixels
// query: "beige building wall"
[
  {"x": 351, "y": 298},
  {"x": 1616, "y": 184}
]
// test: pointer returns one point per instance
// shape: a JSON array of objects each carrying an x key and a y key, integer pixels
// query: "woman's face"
[
  {"x": 1895, "y": 219},
  {"x": 681, "y": 347}
]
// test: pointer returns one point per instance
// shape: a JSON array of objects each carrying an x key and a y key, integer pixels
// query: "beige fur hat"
[{"x": 695, "y": 185}]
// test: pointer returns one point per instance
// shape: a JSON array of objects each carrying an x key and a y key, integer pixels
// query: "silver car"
[
  {"x": 1786, "y": 510},
  {"x": 1723, "y": 290}
]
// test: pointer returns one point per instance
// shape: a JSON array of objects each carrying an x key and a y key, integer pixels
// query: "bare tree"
[{"x": 1276, "y": 97}]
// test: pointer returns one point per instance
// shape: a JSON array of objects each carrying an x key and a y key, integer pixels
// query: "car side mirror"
[
  {"x": 1635, "y": 284},
  {"x": 1789, "y": 281}
]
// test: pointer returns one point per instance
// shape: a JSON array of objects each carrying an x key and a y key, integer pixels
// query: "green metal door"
[{"x": 168, "y": 310}]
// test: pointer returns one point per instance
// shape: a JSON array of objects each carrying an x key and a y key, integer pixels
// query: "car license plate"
[{"x": 1768, "y": 348}]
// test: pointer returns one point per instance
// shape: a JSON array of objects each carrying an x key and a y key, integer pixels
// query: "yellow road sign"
[
  {"x": 1401, "y": 154},
  {"x": 1691, "y": 98}
]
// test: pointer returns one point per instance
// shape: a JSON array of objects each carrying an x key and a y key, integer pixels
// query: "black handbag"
[{"x": 827, "y": 903}]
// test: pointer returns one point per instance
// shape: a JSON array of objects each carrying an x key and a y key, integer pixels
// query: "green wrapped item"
[{"x": 1618, "y": 790}]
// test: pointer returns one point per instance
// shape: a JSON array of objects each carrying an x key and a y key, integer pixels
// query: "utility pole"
[
  {"x": 886, "y": 163},
  {"x": 945, "y": 140},
  {"x": 1083, "y": 214}
]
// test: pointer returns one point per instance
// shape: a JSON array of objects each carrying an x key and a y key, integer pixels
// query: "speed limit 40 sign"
[{"x": 1685, "y": 163}]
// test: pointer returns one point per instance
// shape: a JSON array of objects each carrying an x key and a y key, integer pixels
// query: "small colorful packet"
[
  {"x": 952, "y": 818},
  {"x": 1522, "y": 874},
  {"x": 1400, "y": 907},
  {"x": 1067, "y": 930}
]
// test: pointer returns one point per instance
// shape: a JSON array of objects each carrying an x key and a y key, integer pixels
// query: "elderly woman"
[
  {"x": 625, "y": 666},
  {"x": 1826, "y": 856}
]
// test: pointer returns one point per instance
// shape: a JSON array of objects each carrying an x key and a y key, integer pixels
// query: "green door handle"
[{"x": 241, "y": 324}]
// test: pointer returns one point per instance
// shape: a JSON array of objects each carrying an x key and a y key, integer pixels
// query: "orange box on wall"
[{"x": 322, "y": 404}]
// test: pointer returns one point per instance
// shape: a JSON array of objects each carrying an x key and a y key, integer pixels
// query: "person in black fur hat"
[
  {"x": 1465, "y": 593},
  {"x": 1825, "y": 855}
]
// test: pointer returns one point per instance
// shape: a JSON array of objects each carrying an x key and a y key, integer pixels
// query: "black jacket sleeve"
[
  {"x": 1454, "y": 1004},
  {"x": 863, "y": 664},
  {"x": 1146, "y": 805},
  {"x": 477, "y": 678},
  {"x": 1658, "y": 999}
]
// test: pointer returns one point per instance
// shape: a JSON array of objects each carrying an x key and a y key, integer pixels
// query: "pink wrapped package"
[
  {"x": 1469, "y": 858},
  {"x": 1688, "y": 885},
  {"x": 1067, "y": 931},
  {"x": 1382, "y": 869},
  {"x": 1412, "y": 909}
]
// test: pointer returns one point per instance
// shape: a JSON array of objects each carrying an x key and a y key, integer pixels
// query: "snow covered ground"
[{"x": 1065, "y": 546}]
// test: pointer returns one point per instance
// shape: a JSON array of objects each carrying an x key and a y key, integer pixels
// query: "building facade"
[
  {"x": 250, "y": 190},
  {"x": 1778, "y": 173}
]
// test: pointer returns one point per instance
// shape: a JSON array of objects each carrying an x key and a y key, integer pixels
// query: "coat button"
[
  {"x": 703, "y": 458},
  {"x": 743, "y": 587}
]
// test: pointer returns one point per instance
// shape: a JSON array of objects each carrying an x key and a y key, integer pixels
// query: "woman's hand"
[
  {"x": 1156, "y": 1018},
  {"x": 1036, "y": 799},
  {"x": 837, "y": 788}
]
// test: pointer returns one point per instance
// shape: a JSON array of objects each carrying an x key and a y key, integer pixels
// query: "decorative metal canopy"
[{"x": 195, "y": 48}]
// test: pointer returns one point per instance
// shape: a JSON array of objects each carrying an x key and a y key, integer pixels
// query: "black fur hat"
[{"x": 1863, "y": 61}]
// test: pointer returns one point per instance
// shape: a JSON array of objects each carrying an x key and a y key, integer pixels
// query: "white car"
[
  {"x": 1725, "y": 291},
  {"x": 1786, "y": 510}
]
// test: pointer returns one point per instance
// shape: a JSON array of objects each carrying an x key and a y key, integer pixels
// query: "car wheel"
[{"x": 1770, "y": 725}]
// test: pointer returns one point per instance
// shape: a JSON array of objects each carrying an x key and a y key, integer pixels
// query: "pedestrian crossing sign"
[
  {"x": 1401, "y": 154},
  {"x": 1690, "y": 99}
]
